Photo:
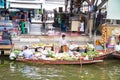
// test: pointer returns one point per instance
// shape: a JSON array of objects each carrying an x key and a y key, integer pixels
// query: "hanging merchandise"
[{"x": 104, "y": 34}]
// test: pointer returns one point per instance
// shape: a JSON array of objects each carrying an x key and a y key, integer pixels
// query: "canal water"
[{"x": 11, "y": 70}]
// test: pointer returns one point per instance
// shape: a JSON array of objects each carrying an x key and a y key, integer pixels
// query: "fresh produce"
[
  {"x": 50, "y": 54},
  {"x": 90, "y": 52},
  {"x": 16, "y": 51},
  {"x": 71, "y": 58}
]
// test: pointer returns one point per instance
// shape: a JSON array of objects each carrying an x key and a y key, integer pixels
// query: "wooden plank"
[{"x": 6, "y": 47}]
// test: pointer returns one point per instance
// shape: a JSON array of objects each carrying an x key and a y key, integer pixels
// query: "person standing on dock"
[
  {"x": 22, "y": 23},
  {"x": 82, "y": 27},
  {"x": 6, "y": 35}
]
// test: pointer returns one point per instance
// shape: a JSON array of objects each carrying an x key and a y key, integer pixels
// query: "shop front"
[{"x": 29, "y": 8}]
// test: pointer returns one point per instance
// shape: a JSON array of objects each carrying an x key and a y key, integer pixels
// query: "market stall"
[
  {"x": 110, "y": 34},
  {"x": 10, "y": 26}
]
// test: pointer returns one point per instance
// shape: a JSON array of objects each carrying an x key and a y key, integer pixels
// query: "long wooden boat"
[
  {"x": 80, "y": 61},
  {"x": 116, "y": 55},
  {"x": 60, "y": 61}
]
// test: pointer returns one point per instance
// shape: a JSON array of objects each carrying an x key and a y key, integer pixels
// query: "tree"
[
  {"x": 4, "y": 4},
  {"x": 66, "y": 4},
  {"x": 93, "y": 4}
]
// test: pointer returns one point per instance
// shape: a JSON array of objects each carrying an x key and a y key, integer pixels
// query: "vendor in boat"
[
  {"x": 73, "y": 49},
  {"x": 73, "y": 46},
  {"x": 26, "y": 53},
  {"x": 39, "y": 53},
  {"x": 99, "y": 45},
  {"x": 117, "y": 47},
  {"x": 64, "y": 44},
  {"x": 112, "y": 42}
]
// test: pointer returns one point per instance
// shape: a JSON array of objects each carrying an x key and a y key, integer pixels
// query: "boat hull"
[
  {"x": 116, "y": 55},
  {"x": 60, "y": 61}
]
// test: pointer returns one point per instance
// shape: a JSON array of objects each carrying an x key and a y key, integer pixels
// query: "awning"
[
  {"x": 26, "y": 5},
  {"x": 29, "y": 4},
  {"x": 26, "y": 1},
  {"x": 13, "y": 10}
]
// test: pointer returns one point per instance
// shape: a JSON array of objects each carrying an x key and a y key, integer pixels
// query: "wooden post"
[
  {"x": 105, "y": 38},
  {"x": 91, "y": 25},
  {"x": 2, "y": 52},
  {"x": 5, "y": 4}
]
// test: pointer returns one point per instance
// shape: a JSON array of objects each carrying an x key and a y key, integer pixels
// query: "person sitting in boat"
[
  {"x": 73, "y": 49},
  {"x": 73, "y": 46},
  {"x": 99, "y": 45},
  {"x": 89, "y": 47},
  {"x": 117, "y": 47},
  {"x": 64, "y": 44},
  {"x": 39, "y": 53},
  {"x": 112, "y": 42},
  {"x": 26, "y": 53}
]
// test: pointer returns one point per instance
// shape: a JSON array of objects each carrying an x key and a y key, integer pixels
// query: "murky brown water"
[{"x": 108, "y": 70}]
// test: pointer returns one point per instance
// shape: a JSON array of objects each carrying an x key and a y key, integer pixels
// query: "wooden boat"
[
  {"x": 116, "y": 55},
  {"x": 80, "y": 61},
  {"x": 105, "y": 54},
  {"x": 60, "y": 61}
]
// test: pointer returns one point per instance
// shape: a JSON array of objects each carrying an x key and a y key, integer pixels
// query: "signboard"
[
  {"x": 75, "y": 25},
  {"x": 1, "y": 3}
]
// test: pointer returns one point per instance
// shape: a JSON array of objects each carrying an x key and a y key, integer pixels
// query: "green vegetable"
[
  {"x": 71, "y": 58},
  {"x": 16, "y": 51},
  {"x": 50, "y": 54}
]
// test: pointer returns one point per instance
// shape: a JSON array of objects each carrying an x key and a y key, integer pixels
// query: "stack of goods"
[
  {"x": 104, "y": 34},
  {"x": 36, "y": 45},
  {"x": 45, "y": 52}
]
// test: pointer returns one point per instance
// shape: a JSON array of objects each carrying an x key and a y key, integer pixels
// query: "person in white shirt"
[
  {"x": 82, "y": 27},
  {"x": 26, "y": 53},
  {"x": 64, "y": 44}
]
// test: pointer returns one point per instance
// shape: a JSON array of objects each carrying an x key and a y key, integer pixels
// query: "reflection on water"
[
  {"x": 108, "y": 70},
  {"x": 39, "y": 72}
]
